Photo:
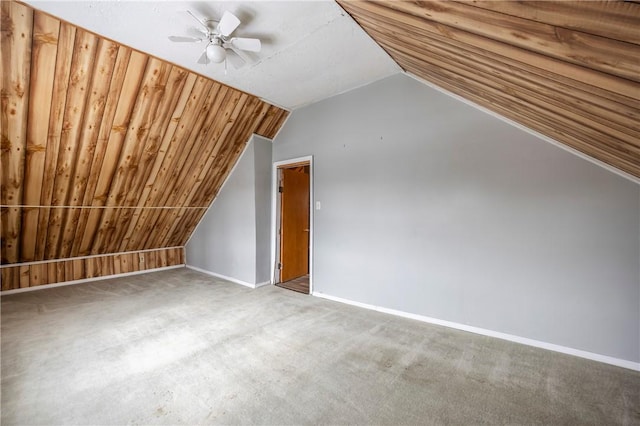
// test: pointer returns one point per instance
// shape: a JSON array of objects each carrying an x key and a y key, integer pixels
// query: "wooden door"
[{"x": 294, "y": 214}]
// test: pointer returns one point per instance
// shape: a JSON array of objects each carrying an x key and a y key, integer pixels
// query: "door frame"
[{"x": 275, "y": 246}]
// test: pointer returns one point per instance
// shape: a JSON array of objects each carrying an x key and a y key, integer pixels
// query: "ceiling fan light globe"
[{"x": 216, "y": 53}]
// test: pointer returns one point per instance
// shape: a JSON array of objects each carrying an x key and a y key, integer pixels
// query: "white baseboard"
[
  {"x": 87, "y": 280},
  {"x": 224, "y": 277},
  {"x": 262, "y": 284},
  {"x": 504, "y": 336}
]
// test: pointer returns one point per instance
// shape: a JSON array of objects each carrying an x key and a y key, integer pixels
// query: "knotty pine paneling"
[
  {"x": 57, "y": 271},
  {"x": 106, "y": 149},
  {"x": 568, "y": 70}
]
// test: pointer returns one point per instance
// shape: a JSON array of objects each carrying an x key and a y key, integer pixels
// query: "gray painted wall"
[
  {"x": 432, "y": 207},
  {"x": 227, "y": 239},
  {"x": 262, "y": 159}
]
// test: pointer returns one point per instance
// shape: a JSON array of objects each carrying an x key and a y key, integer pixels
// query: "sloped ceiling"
[
  {"x": 106, "y": 149},
  {"x": 568, "y": 70}
]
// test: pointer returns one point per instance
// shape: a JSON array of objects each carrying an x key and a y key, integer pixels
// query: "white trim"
[
  {"x": 262, "y": 284},
  {"x": 477, "y": 330},
  {"x": 274, "y": 225},
  {"x": 224, "y": 277},
  {"x": 246, "y": 146},
  {"x": 38, "y": 262},
  {"x": 527, "y": 129},
  {"x": 86, "y": 280}
]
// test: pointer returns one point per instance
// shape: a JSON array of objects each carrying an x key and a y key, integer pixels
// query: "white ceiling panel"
[{"x": 311, "y": 50}]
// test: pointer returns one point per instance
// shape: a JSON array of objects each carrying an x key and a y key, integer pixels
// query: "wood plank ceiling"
[
  {"x": 106, "y": 149},
  {"x": 568, "y": 70}
]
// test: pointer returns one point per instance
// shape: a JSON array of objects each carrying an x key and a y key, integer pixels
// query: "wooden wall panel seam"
[
  {"x": 37, "y": 262},
  {"x": 62, "y": 270}
]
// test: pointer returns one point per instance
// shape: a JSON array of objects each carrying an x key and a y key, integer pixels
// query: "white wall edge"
[
  {"x": 224, "y": 277},
  {"x": 490, "y": 333},
  {"x": 274, "y": 225},
  {"x": 526, "y": 129},
  {"x": 86, "y": 280}
]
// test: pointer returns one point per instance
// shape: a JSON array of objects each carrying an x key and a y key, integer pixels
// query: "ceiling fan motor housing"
[{"x": 215, "y": 51}]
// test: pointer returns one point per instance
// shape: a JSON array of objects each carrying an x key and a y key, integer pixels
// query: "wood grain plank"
[
  {"x": 43, "y": 64},
  {"x": 617, "y": 20},
  {"x": 599, "y": 53},
  {"x": 68, "y": 270},
  {"x": 77, "y": 94},
  {"x": 185, "y": 226},
  {"x": 220, "y": 172},
  {"x": 10, "y": 278},
  {"x": 203, "y": 96},
  {"x": 9, "y": 233},
  {"x": 25, "y": 276},
  {"x": 106, "y": 54},
  {"x": 79, "y": 269},
  {"x": 65, "y": 49},
  {"x": 272, "y": 121},
  {"x": 222, "y": 115},
  {"x": 144, "y": 111},
  {"x": 167, "y": 101},
  {"x": 125, "y": 263},
  {"x": 16, "y": 36},
  {"x": 160, "y": 166},
  {"x": 38, "y": 274},
  {"x": 132, "y": 81},
  {"x": 224, "y": 155},
  {"x": 115, "y": 87},
  {"x": 155, "y": 149},
  {"x": 212, "y": 141}
]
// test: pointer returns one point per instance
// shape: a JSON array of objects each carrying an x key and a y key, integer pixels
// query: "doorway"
[{"x": 293, "y": 225}]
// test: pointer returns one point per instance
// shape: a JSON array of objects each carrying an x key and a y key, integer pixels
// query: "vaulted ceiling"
[
  {"x": 568, "y": 70},
  {"x": 106, "y": 149}
]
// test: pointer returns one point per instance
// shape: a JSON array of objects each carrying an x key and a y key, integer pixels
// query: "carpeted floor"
[{"x": 179, "y": 347}]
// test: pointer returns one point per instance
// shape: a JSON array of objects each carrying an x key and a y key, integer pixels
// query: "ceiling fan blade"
[
  {"x": 240, "y": 53},
  {"x": 181, "y": 39},
  {"x": 248, "y": 44},
  {"x": 202, "y": 24},
  {"x": 235, "y": 60},
  {"x": 204, "y": 59},
  {"x": 228, "y": 23}
]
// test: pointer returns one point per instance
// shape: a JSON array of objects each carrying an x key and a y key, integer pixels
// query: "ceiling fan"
[{"x": 217, "y": 34}]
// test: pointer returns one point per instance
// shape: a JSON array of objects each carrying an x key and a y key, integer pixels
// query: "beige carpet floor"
[{"x": 179, "y": 347}]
